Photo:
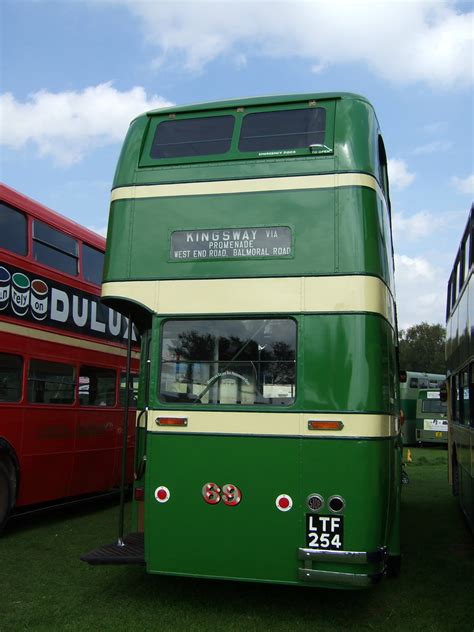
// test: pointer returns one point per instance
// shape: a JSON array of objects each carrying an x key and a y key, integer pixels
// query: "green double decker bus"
[
  {"x": 431, "y": 417},
  {"x": 250, "y": 241},
  {"x": 411, "y": 383},
  {"x": 460, "y": 364}
]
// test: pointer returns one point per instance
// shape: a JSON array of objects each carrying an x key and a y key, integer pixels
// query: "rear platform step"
[{"x": 132, "y": 552}]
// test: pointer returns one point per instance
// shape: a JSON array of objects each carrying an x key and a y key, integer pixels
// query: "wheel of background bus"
[
  {"x": 394, "y": 563},
  {"x": 5, "y": 495}
]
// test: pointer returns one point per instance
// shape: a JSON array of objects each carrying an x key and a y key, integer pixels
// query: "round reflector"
[
  {"x": 162, "y": 494},
  {"x": 284, "y": 502}
]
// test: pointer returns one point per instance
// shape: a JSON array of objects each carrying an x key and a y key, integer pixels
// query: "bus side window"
[
  {"x": 471, "y": 395},
  {"x": 413, "y": 382},
  {"x": 11, "y": 371},
  {"x": 51, "y": 382},
  {"x": 92, "y": 264},
  {"x": 463, "y": 389},
  {"x": 54, "y": 248},
  {"x": 13, "y": 230},
  {"x": 96, "y": 386},
  {"x": 454, "y": 398},
  {"x": 133, "y": 392}
]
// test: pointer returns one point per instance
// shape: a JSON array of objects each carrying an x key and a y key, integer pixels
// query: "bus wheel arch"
[
  {"x": 6, "y": 494},
  {"x": 8, "y": 481}
]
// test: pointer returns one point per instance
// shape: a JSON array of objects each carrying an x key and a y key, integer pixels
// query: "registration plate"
[{"x": 325, "y": 532}]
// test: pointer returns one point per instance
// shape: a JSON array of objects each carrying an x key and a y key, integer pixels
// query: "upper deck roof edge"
[{"x": 255, "y": 101}]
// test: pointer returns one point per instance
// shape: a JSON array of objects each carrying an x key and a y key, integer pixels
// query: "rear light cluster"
[{"x": 336, "y": 504}]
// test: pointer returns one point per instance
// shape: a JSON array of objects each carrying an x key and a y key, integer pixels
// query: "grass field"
[{"x": 44, "y": 586}]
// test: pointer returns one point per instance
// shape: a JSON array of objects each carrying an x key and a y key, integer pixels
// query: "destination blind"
[{"x": 232, "y": 243}]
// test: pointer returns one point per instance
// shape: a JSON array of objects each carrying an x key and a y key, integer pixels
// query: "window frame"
[
  {"x": 159, "y": 331},
  {"x": 50, "y": 246},
  {"x": 24, "y": 217},
  {"x": 84, "y": 248},
  {"x": 21, "y": 378},
  {"x": 239, "y": 113},
  {"x": 30, "y": 379},
  {"x": 106, "y": 404}
]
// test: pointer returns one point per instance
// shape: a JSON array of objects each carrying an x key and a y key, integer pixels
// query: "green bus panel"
[
  {"x": 334, "y": 232},
  {"x": 254, "y": 540}
]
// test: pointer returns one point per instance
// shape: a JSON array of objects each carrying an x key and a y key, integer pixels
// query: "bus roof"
[
  {"x": 255, "y": 101},
  {"x": 43, "y": 213}
]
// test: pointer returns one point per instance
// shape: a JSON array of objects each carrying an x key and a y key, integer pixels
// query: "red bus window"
[
  {"x": 54, "y": 248},
  {"x": 133, "y": 390},
  {"x": 11, "y": 369},
  {"x": 96, "y": 386},
  {"x": 13, "y": 230},
  {"x": 92, "y": 264},
  {"x": 51, "y": 382}
]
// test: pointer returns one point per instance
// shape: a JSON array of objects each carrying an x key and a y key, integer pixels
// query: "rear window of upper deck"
[
  {"x": 193, "y": 137},
  {"x": 284, "y": 129},
  {"x": 294, "y": 129}
]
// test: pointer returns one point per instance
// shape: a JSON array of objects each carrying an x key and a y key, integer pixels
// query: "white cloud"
[
  {"x": 429, "y": 41},
  {"x": 68, "y": 125},
  {"x": 420, "y": 291},
  {"x": 431, "y": 148},
  {"x": 464, "y": 185},
  {"x": 417, "y": 226},
  {"x": 398, "y": 174}
]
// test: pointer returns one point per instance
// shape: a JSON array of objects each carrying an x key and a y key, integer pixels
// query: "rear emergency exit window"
[
  {"x": 283, "y": 129},
  {"x": 192, "y": 137}
]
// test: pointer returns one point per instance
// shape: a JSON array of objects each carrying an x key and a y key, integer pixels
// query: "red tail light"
[
  {"x": 402, "y": 418},
  {"x": 139, "y": 493}
]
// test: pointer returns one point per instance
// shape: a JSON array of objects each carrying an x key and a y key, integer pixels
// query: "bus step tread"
[{"x": 132, "y": 552}]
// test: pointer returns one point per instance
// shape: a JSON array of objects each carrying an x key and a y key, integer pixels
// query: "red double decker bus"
[{"x": 62, "y": 361}]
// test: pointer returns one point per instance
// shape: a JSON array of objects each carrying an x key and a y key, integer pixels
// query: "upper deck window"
[
  {"x": 54, "y": 248},
  {"x": 283, "y": 129},
  {"x": 92, "y": 264},
  {"x": 192, "y": 137},
  {"x": 13, "y": 230}
]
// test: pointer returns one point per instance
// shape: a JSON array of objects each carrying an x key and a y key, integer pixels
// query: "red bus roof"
[{"x": 45, "y": 214}]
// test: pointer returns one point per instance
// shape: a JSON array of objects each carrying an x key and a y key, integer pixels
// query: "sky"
[{"x": 74, "y": 73}]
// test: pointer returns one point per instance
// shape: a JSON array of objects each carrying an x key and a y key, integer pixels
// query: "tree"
[{"x": 422, "y": 348}]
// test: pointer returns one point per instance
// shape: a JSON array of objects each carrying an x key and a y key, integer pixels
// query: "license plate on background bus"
[{"x": 325, "y": 532}]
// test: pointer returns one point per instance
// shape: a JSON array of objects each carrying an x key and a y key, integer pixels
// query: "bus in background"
[
  {"x": 62, "y": 361},
  {"x": 251, "y": 241},
  {"x": 460, "y": 365},
  {"x": 410, "y": 384},
  {"x": 431, "y": 417}
]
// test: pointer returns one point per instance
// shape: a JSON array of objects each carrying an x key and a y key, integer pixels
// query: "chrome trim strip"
[
  {"x": 341, "y": 579},
  {"x": 343, "y": 557}
]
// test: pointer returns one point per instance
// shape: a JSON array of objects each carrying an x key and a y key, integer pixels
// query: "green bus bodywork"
[
  {"x": 410, "y": 387},
  {"x": 334, "y": 199},
  {"x": 431, "y": 417},
  {"x": 460, "y": 370}
]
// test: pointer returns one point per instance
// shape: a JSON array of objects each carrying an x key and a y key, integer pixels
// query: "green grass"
[{"x": 44, "y": 586}]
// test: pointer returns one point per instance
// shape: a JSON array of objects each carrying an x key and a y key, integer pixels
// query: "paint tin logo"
[
  {"x": 20, "y": 293},
  {"x": 39, "y": 299},
  {"x": 5, "y": 280}
]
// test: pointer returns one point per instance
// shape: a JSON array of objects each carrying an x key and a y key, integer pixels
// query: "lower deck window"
[
  {"x": 228, "y": 361},
  {"x": 11, "y": 369},
  {"x": 96, "y": 386},
  {"x": 51, "y": 382}
]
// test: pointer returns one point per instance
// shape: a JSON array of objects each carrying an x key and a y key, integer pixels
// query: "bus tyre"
[
  {"x": 5, "y": 495},
  {"x": 394, "y": 563}
]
